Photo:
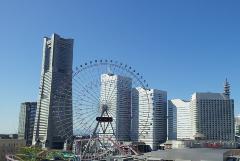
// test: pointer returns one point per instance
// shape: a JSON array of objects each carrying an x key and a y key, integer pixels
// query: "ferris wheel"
[{"x": 107, "y": 105}]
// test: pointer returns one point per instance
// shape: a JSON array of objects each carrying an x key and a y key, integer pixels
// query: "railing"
[
  {"x": 101, "y": 153},
  {"x": 233, "y": 152},
  {"x": 11, "y": 157}
]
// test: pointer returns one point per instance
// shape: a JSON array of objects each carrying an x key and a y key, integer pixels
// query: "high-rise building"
[
  {"x": 56, "y": 79},
  {"x": 179, "y": 120},
  {"x": 149, "y": 116},
  {"x": 116, "y": 95},
  {"x": 213, "y": 115},
  {"x": 26, "y": 121}
]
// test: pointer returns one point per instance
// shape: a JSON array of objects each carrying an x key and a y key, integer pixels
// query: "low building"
[
  {"x": 177, "y": 144},
  {"x": 10, "y": 146},
  {"x": 8, "y": 136}
]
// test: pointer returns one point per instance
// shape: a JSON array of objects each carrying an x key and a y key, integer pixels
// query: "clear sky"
[{"x": 181, "y": 46}]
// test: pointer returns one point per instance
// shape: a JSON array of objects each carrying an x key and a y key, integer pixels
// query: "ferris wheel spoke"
[
  {"x": 89, "y": 129},
  {"x": 92, "y": 119},
  {"x": 84, "y": 90},
  {"x": 91, "y": 123},
  {"x": 85, "y": 100},
  {"x": 85, "y": 77},
  {"x": 94, "y": 78},
  {"x": 94, "y": 86},
  {"x": 86, "y": 93},
  {"x": 83, "y": 129},
  {"x": 93, "y": 94},
  {"x": 82, "y": 106},
  {"x": 71, "y": 112},
  {"x": 114, "y": 120},
  {"x": 110, "y": 82},
  {"x": 74, "y": 107},
  {"x": 111, "y": 79},
  {"x": 88, "y": 113},
  {"x": 83, "y": 93},
  {"x": 106, "y": 87},
  {"x": 62, "y": 129},
  {"x": 75, "y": 94},
  {"x": 63, "y": 122},
  {"x": 82, "y": 125},
  {"x": 109, "y": 99}
]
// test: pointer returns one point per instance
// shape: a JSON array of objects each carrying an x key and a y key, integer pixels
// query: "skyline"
[{"x": 178, "y": 47}]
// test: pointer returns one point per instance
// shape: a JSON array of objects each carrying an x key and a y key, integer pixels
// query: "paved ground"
[{"x": 194, "y": 154}]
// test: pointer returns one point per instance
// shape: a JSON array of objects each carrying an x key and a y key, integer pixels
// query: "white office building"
[
  {"x": 149, "y": 116},
  {"x": 213, "y": 115},
  {"x": 116, "y": 96},
  {"x": 179, "y": 120}
]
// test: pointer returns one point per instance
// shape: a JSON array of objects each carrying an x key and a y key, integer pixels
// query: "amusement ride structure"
[{"x": 102, "y": 121}]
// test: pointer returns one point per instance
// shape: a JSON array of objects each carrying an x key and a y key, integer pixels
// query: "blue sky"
[{"x": 181, "y": 46}]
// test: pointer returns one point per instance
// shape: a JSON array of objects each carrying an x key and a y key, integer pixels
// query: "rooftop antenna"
[
  {"x": 109, "y": 72},
  {"x": 227, "y": 88}
]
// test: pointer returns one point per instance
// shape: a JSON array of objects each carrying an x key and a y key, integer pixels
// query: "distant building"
[
  {"x": 26, "y": 121},
  {"x": 213, "y": 115},
  {"x": 179, "y": 120},
  {"x": 56, "y": 80},
  {"x": 116, "y": 97},
  {"x": 10, "y": 146},
  {"x": 237, "y": 125},
  {"x": 149, "y": 123},
  {"x": 8, "y": 136}
]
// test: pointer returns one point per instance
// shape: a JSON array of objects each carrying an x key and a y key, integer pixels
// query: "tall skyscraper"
[
  {"x": 116, "y": 95},
  {"x": 26, "y": 121},
  {"x": 213, "y": 115},
  {"x": 149, "y": 116},
  {"x": 179, "y": 120},
  {"x": 56, "y": 78}
]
